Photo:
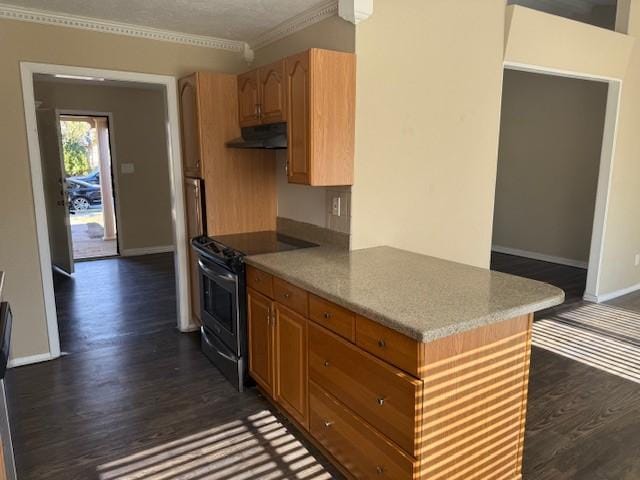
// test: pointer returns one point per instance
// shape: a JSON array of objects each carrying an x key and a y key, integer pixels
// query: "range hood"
[{"x": 263, "y": 136}]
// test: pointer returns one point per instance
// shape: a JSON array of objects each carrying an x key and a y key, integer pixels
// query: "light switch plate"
[
  {"x": 335, "y": 206},
  {"x": 127, "y": 168}
]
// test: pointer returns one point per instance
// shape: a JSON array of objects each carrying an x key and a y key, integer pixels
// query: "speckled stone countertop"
[{"x": 423, "y": 297}]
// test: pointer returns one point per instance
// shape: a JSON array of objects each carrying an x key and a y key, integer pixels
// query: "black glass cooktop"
[{"x": 256, "y": 243}]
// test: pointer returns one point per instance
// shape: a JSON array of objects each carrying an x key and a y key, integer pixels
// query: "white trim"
[
  {"x": 607, "y": 155},
  {"x": 601, "y": 211},
  {"x": 106, "y": 26},
  {"x": 611, "y": 295},
  {"x": 27, "y": 70},
  {"x": 540, "y": 256},
  {"x": 355, "y": 11},
  {"x": 133, "y": 252},
  {"x": 523, "y": 67},
  {"x": 294, "y": 24},
  {"x": 20, "y": 361}
]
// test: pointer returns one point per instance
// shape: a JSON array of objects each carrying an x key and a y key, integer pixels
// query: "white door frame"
[
  {"x": 592, "y": 291},
  {"x": 114, "y": 164},
  {"x": 27, "y": 70}
]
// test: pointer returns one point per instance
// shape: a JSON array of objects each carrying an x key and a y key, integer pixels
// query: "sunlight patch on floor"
[
  {"x": 594, "y": 349},
  {"x": 258, "y": 447}
]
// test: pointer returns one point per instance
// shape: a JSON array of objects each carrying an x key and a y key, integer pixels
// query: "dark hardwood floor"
[
  {"x": 134, "y": 398},
  {"x": 582, "y": 423},
  {"x": 131, "y": 384}
]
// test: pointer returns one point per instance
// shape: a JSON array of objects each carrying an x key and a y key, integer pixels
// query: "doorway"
[
  {"x": 88, "y": 181},
  {"x": 557, "y": 141}
]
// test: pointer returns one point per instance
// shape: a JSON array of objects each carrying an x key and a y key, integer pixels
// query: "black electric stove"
[{"x": 223, "y": 294}]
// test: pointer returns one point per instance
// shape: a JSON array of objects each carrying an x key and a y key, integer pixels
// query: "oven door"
[{"x": 219, "y": 302}]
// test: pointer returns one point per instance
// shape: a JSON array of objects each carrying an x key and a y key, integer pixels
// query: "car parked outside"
[{"x": 82, "y": 195}]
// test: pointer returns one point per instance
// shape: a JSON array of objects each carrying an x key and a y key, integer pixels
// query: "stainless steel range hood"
[{"x": 262, "y": 136}]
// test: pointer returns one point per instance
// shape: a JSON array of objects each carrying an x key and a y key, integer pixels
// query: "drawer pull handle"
[
  {"x": 326, "y": 363},
  {"x": 382, "y": 343},
  {"x": 380, "y": 401},
  {"x": 286, "y": 295},
  {"x": 379, "y": 470},
  {"x": 327, "y": 423},
  {"x": 326, "y": 315}
]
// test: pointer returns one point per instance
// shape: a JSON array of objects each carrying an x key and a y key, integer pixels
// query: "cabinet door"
[
  {"x": 298, "y": 111},
  {"x": 248, "y": 99},
  {"x": 190, "y": 126},
  {"x": 272, "y": 93},
  {"x": 260, "y": 340},
  {"x": 291, "y": 363}
]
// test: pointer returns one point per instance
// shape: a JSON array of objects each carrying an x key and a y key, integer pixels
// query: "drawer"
[
  {"x": 291, "y": 296},
  {"x": 389, "y": 345},
  {"x": 359, "y": 448},
  {"x": 337, "y": 319},
  {"x": 381, "y": 394},
  {"x": 260, "y": 281}
]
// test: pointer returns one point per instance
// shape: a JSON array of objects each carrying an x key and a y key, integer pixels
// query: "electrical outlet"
[
  {"x": 637, "y": 261},
  {"x": 335, "y": 206},
  {"x": 127, "y": 168}
]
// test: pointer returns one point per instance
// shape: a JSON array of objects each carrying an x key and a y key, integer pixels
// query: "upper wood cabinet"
[
  {"x": 190, "y": 126},
  {"x": 314, "y": 92},
  {"x": 261, "y": 96},
  {"x": 248, "y": 99},
  {"x": 320, "y": 103},
  {"x": 271, "y": 93}
]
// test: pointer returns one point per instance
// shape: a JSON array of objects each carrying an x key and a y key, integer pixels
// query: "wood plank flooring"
[
  {"x": 582, "y": 423},
  {"x": 133, "y": 385},
  {"x": 136, "y": 399}
]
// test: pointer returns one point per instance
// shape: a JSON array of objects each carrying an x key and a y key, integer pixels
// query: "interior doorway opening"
[
  {"x": 557, "y": 140},
  {"x": 87, "y": 169}
]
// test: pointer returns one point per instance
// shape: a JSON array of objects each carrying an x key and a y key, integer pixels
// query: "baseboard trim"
[
  {"x": 540, "y": 256},
  {"x": 134, "y": 252},
  {"x": 605, "y": 297},
  {"x": 21, "y": 361}
]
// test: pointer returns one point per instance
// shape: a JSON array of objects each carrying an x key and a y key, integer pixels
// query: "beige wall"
[
  {"x": 139, "y": 137},
  {"x": 427, "y": 119},
  {"x": 549, "y": 155},
  {"x": 298, "y": 202},
  {"x": 622, "y": 234},
  {"x": 32, "y": 42}
]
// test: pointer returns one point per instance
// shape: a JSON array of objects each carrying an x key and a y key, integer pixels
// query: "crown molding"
[
  {"x": 355, "y": 11},
  {"x": 84, "y": 23},
  {"x": 294, "y": 24}
]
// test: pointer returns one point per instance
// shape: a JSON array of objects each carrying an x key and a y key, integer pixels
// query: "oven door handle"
[{"x": 227, "y": 277}]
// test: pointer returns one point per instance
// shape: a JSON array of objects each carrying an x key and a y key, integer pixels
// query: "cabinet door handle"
[
  {"x": 382, "y": 343},
  {"x": 326, "y": 315},
  {"x": 326, "y": 363},
  {"x": 379, "y": 470},
  {"x": 328, "y": 423},
  {"x": 380, "y": 401},
  {"x": 287, "y": 295}
]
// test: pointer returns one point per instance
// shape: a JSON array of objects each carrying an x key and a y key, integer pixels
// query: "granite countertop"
[{"x": 423, "y": 297}]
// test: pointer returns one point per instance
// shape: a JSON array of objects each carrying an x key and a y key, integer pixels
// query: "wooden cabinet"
[
  {"x": 278, "y": 353},
  {"x": 290, "y": 345},
  {"x": 271, "y": 92},
  {"x": 248, "y": 101},
  {"x": 261, "y": 96},
  {"x": 383, "y": 405},
  {"x": 314, "y": 92},
  {"x": 320, "y": 102},
  {"x": 190, "y": 126},
  {"x": 260, "y": 340}
]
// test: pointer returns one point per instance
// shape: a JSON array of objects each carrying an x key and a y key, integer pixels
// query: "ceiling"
[
  {"x": 242, "y": 20},
  {"x": 565, "y": 8}
]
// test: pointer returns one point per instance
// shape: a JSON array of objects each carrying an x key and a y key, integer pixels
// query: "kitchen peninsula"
[{"x": 397, "y": 365}]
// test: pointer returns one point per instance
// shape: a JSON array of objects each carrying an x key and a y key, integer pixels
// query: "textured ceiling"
[{"x": 231, "y": 19}]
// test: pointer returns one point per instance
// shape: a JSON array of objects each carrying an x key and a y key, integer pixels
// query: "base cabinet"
[
  {"x": 381, "y": 404},
  {"x": 290, "y": 345}
]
